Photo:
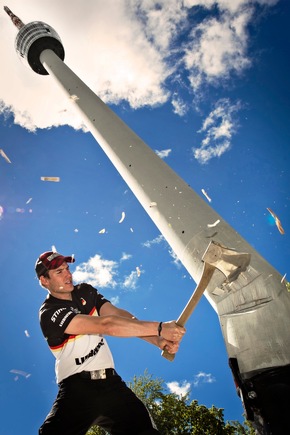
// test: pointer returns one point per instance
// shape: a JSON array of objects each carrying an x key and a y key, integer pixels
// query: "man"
[{"x": 74, "y": 320}]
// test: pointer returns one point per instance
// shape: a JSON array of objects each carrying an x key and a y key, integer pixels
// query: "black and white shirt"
[{"x": 74, "y": 353}]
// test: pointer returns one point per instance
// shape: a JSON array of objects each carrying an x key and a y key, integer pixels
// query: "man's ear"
[{"x": 43, "y": 281}]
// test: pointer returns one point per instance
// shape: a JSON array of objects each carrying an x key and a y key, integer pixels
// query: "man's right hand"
[{"x": 171, "y": 331}]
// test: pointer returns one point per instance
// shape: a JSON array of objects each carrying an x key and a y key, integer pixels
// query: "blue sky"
[{"x": 206, "y": 86}]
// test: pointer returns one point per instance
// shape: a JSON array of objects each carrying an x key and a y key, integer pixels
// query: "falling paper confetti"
[
  {"x": 29, "y": 200},
  {"x": 102, "y": 231},
  {"x": 20, "y": 372},
  {"x": 277, "y": 221},
  {"x": 153, "y": 204},
  {"x": 74, "y": 97},
  {"x": 214, "y": 224},
  {"x": 26, "y": 333},
  {"x": 206, "y": 195},
  {"x": 138, "y": 271},
  {"x": 122, "y": 218},
  {"x": 4, "y": 156},
  {"x": 283, "y": 278},
  {"x": 55, "y": 179}
]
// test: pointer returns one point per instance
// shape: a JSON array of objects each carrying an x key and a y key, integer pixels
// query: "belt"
[{"x": 98, "y": 374}]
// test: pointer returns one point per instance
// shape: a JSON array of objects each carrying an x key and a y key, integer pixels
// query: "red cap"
[{"x": 50, "y": 260}]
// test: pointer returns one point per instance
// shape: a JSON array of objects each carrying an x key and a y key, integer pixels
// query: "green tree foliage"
[
  {"x": 176, "y": 415},
  {"x": 288, "y": 286}
]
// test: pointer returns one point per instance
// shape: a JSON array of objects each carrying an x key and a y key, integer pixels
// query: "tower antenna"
[{"x": 15, "y": 20}]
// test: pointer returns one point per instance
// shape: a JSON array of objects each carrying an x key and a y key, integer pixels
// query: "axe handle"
[{"x": 207, "y": 274}]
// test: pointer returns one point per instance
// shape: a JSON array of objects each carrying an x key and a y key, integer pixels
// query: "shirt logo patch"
[
  {"x": 56, "y": 314},
  {"x": 92, "y": 353}
]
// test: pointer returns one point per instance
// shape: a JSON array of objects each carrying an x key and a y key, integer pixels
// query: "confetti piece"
[
  {"x": 74, "y": 97},
  {"x": 122, "y": 218},
  {"x": 138, "y": 271},
  {"x": 214, "y": 224},
  {"x": 206, "y": 195},
  {"x": 76, "y": 230},
  {"x": 55, "y": 179},
  {"x": 53, "y": 248},
  {"x": 153, "y": 204},
  {"x": 26, "y": 333},
  {"x": 102, "y": 231},
  {"x": 277, "y": 221},
  {"x": 131, "y": 229},
  {"x": 29, "y": 200},
  {"x": 4, "y": 156},
  {"x": 283, "y": 278},
  {"x": 20, "y": 372}
]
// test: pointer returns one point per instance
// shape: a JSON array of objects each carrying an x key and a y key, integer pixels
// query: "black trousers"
[{"x": 109, "y": 403}]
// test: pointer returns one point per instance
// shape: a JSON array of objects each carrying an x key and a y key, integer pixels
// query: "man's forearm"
[{"x": 120, "y": 326}]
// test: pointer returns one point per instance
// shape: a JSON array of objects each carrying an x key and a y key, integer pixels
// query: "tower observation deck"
[{"x": 32, "y": 39}]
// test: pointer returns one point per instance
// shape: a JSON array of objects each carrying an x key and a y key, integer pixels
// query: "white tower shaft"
[{"x": 182, "y": 217}]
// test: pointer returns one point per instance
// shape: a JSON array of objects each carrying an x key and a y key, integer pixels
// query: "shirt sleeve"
[
  {"x": 54, "y": 321},
  {"x": 97, "y": 298}
]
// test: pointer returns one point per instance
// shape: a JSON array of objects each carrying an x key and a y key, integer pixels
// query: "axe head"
[{"x": 227, "y": 260}]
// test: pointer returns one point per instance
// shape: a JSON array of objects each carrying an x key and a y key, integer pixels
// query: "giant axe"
[{"x": 228, "y": 261}]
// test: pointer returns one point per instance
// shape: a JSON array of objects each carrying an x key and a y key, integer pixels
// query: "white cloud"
[
  {"x": 179, "y": 106},
  {"x": 103, "y": 273},
  {"x": 204, "y": 155},
  {"x": 217, "y": 47},
  {"x": 97, "y": 271},
  {"x": 176, "y": 260},
  {"x": 125, "y": 256},
  {"x": 105, "y": 45},
  {"x": 180, "y": 389},
  {"x": 183, "y": 388},
  {"x": 161, "y": 20},
  {"x": 130, "y": 282},
  {"x": 155, "y": 241},
  {"x": 228, "y": 5},
  {"x": 203, "y": 378},
  {"x": 163, "y": 153},
  {"x": 125, "y": 51},
  {"x": 115, "y": 300},
  {"x": 218, "y": 127}
]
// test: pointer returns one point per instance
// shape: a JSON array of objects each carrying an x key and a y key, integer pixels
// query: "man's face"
[{"x": 59, "y": 283}]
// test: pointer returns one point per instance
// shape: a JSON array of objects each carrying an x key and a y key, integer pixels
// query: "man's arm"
[
  {"x": 159, "y": 341},
  {"x": 120, "y": 323}
]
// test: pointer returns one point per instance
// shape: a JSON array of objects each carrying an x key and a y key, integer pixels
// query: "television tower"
[{"x": 252, "y": 303}]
